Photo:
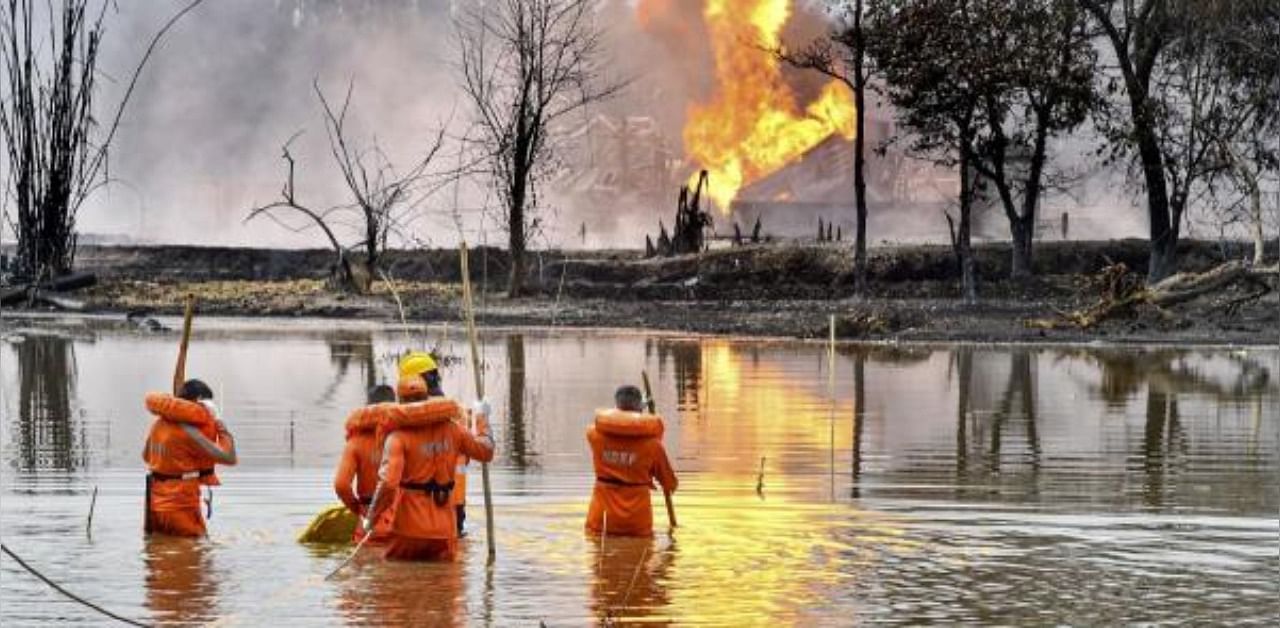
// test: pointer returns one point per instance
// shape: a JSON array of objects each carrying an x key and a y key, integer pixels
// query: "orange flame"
[{"x": 752, "y": 126}]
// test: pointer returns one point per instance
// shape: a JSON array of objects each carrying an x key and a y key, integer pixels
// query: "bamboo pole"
[
  {"x": 653, "y": 409},
  {"x": 470, "y": 315},
  {"x": 180, "y": 369},
  {"x": 367, "y": 535}
]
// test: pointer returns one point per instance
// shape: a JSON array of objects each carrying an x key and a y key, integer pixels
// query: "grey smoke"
[{"x": 200, "y": 142}]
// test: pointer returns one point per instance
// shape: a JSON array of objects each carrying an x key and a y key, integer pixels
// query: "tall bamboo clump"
[{"x": 46, "y": 121}]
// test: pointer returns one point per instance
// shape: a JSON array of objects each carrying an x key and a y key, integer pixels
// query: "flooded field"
[{"x": 943, "y": 484}]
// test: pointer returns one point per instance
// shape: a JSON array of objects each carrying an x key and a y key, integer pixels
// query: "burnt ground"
[{"x": 785, "y": 290}]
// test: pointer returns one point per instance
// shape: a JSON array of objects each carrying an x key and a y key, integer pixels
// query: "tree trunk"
[
  {"x": 859, "y": 158},
  {"x": 1023, "y": 226},
  {"x": 1163, "y": 230},
  {"x": 371, "y": 228},
  {"x": 860, "y": 195},
  {"x": 1255, "y": 212},
  {"x": 516, "y": 242},
  {"x": 1136, "y": 68},
  {"x": 968, "y": 271},
  {"x": 1163, "y": 261},
  {"x": 1023, "y": 238}
]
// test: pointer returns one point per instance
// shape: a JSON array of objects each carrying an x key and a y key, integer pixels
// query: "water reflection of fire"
[{"x": 752, "y": 125}]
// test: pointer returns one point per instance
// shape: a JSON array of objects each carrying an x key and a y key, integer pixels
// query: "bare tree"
[
  {"x": 850, "y": 66},
  {"x": 525, "y": 64},
  {"x": 55, "y": 149},
  {"x": 381, "y": 198},
  {"x": 933, "y": 75},
  {"x": 1234, "y": 80},
  {"x": 1194, "y": 74}
]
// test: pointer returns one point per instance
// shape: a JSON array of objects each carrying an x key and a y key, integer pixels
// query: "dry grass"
[{"x": 258, "y": 296}]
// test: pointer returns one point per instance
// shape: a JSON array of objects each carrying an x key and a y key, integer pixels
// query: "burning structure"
[
  {"x": 611, "y": 156},
  {"x": 776, "y": 143},
  {"x": 753, "y": 124}
]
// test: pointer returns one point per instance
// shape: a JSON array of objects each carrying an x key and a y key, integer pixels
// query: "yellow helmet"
[{"x": 416, "y": 363}]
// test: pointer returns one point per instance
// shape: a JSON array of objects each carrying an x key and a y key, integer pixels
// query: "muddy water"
[{"x": 949, "y": 484}]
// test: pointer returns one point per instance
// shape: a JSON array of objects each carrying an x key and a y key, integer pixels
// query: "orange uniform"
[
  {"x": 359, "y": 464},
  {"x": 424, "y": 442},
  {"x": 178, "y": 465},
  {"x": 627, "y": 452}
]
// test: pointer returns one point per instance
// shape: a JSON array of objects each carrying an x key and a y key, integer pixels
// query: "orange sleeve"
[
  {"x": 478, "y": 446},
  {"x": 227, "y": 443},
  {"x": 392, "y": 467},
  {"x": 345, "y": 475},
  {"x": 662, "y": 470}
]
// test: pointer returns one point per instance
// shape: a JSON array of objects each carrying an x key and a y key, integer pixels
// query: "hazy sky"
[
  {"x": 200, "y": 141},
  {"x": 201, "y": 138}
]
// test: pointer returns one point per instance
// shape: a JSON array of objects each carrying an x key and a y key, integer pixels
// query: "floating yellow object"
[{"x": 335, "y": 524}]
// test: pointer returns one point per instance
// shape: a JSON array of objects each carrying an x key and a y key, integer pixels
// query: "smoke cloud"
[{"x": 200, "y": 142}]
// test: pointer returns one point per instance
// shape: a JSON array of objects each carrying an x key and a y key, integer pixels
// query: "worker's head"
[
  {"x": 381, "y": 393},
  {"x": 195, "y": 390},
  {"x": 629, "y": 398},
  {"x": 412, "y": 388},
  {"x": 421, "y": 364}
]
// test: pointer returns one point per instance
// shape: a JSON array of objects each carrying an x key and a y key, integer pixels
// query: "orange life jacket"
[
  {"x": 415, "y": 414},
  {"x": 365, "y": 420},
  {"x": 359, "y": 463},
  {"x": 421, "y": 464},
  {"x": 627, "y": 453},
  {"x": 359, "y": 460},
  {"x": 169, "y": 450}
]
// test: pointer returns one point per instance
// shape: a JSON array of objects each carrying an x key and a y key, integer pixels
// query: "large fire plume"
[{"x": 752, "y": 125}]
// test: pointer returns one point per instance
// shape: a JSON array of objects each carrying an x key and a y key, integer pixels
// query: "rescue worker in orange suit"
[
  {"x": 423, "y": 437},
  {"x": 359, "y": 462},
  {"x": 423, "y": 365},
  {"x": 185, "y": 442},
  {"x": 627, "y": 453}
]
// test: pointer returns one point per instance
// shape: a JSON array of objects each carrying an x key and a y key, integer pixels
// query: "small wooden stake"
[{"x": 93, "y": 501}]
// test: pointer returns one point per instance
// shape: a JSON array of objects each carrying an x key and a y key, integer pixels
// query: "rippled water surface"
[{"x": 950, "y": 484}]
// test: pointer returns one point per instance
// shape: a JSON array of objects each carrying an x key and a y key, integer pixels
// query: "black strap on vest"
[
  {"x": 617, "y": 482},
  {"x": 165, "y": 477},
  {"x": 439, "y": 492}
]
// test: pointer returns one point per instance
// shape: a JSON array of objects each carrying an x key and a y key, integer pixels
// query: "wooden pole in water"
[
  {"x": 93, "y": 501},
  {"x": 368, "y": 535},
  {"x": 470, "y": 315},
  {"x": 180, "y": 369},
  {"x": 653, "y": 409}
]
